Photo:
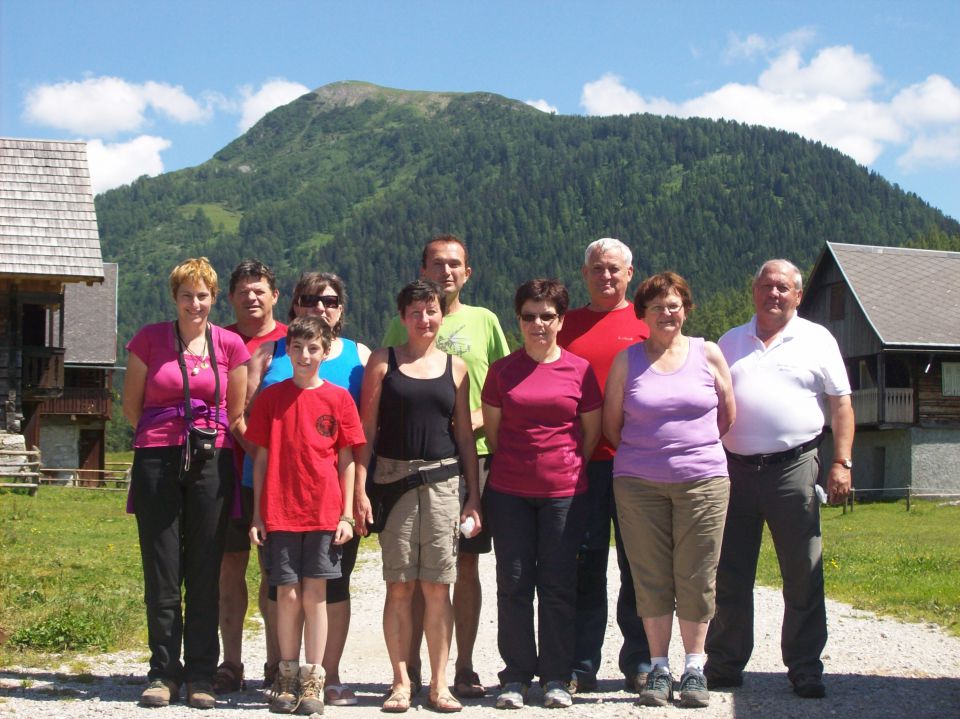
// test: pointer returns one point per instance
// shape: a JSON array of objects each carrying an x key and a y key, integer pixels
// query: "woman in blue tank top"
[
  {"x": 324, "y": 294},
  {"x": 668, "y": 402}
]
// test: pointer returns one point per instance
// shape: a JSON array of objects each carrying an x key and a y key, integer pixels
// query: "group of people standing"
[{"x": 450, "y": 445}]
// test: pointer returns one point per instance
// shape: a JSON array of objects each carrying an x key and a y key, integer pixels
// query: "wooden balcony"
[
  {"x": 95, "y": 401},
  {"x": 42, "y": 373},
  {"x": 896, "y": 407}
]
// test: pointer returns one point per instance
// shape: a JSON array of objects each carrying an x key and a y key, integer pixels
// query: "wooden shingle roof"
[
  {"x": 910, "y": 297},
  {"x": 48, "y": 224}
]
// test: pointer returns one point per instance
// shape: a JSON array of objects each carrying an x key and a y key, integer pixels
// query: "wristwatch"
[
  {"x": 349, "y": 520},
  {"x": 847, "y": 463}
]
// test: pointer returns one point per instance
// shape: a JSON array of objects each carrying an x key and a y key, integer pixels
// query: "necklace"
[{"x": 200, "y": 361}]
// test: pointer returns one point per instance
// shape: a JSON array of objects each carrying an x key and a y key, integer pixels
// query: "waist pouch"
[{"x": 384, "y": 496}]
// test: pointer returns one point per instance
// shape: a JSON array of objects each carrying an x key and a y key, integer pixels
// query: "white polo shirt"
[{"x": 779, "y": 390}]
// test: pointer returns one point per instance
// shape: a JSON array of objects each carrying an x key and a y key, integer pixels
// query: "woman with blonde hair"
[{"x": 184, "y": 392}]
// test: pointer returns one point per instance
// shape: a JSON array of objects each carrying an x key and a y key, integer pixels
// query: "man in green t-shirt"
[{"x": 473, "y": 334}]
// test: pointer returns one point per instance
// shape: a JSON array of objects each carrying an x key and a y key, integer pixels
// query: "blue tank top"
[{"x": 345, "y": 371}]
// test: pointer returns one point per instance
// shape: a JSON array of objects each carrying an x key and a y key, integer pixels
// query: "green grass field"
[{"x": 70, "y": 569}]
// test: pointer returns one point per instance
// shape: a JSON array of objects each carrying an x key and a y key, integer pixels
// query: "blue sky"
[{"x": 156, "y": 86}]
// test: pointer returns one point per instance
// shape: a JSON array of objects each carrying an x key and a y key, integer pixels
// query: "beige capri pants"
[
  {"x": 672, "y": 534},
  {"x": 421, "y": 537}
]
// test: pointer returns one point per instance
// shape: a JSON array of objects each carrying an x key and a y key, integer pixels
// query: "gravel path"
[{"x": 875, "y": 668}]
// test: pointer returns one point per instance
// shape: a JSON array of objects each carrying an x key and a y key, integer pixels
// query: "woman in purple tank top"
[{"x": 668, "y": 401}]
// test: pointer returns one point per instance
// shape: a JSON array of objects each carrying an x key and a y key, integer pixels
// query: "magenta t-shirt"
[
  {"x": 156, "y": 346},
  {"x": 539, "y": 443}
]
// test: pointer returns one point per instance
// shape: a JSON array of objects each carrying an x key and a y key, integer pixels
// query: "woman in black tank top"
[{"x": 416, "y": 415}]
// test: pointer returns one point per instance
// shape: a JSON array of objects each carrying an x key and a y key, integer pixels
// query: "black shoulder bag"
[{"x": 201, "y": 443}]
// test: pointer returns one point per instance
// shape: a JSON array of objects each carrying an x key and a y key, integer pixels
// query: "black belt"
[{"x": 787, "y": 455}]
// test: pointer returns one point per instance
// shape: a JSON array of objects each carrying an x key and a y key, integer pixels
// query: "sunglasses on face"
[
  {"x": 545, "y": 317},
  {"x": 329, "y": 301}
]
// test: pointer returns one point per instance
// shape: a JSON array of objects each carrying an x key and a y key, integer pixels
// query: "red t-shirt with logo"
[{"x": 303, "y": 431}]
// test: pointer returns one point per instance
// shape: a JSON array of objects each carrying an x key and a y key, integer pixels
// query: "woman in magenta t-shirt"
[
  {"x": 182, "y": 509},
  {"x": 541, "y": 411}
]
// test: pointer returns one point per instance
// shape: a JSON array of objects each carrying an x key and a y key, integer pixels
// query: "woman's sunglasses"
[{"x": 328, "y": 301}]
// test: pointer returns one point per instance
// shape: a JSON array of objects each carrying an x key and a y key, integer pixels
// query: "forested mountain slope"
[{"x": 353, "y": 178}]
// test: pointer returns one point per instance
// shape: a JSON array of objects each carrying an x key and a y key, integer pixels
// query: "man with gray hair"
[
  {"x": 597, "y": 332},
  {"x": 782, "y": 367}
]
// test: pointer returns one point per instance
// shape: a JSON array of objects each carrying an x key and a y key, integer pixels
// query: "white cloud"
[
  {"x": 271, "y": 95},
  {"x": 833, "y": 99},
  {"x": 836, "y": 71},
  {"x": 932, "y": 150},
  {"x": 115, "y": 164},
  {"x": 543, "y": 106},
  {"x": 748, "y": 47},
  {"x": 108, "y": 105},
  {"x": 935, "y": 100},
  {"x": 757, "y": 46}
]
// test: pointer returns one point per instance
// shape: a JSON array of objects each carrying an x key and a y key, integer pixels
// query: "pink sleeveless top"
[{"x": 670, "y": 429}]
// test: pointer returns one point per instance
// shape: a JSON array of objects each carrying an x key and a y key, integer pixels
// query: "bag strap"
[{"x": 187, "y": 406}]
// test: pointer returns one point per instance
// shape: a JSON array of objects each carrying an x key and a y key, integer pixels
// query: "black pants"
[
  {"x": 592, "y": 585},
  {"x": 783, "y": 496},
  {"x": 535, "y": 541},
  {"x": 181, "y": 520}
]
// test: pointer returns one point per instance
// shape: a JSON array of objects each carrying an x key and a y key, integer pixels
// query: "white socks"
[
  {"x": 660, "y": 662},
  {"x": 694, "y": 661}
]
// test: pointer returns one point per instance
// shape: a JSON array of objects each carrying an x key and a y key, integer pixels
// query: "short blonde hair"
[{"x": 195, "y": 270}]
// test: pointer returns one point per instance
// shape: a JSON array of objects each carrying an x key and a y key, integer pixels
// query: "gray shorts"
[{"x": 289, "y": 557}]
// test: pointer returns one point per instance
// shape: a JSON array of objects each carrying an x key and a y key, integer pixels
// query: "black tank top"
[{"x": 416, "y": 415}]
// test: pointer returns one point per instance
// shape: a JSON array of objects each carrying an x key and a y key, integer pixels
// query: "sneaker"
[
  {"x": 658, "y": 689},
  {"x": 809, "y": 687},
  {"x": 716, "y": 680},
  {"x": 556, "y": 696},
  {"x": 159, "y": 693},
  {"x": 582, "y": 683},
  {"x": 200, "y": 695},
  {"x": 693, "y": 689},
  {"x": 310, "y": 698},
  {"x": 511, "y": 695},
  {"x": 284, "y": 699}
]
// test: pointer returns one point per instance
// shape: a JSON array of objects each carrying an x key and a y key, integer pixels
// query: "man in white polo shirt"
[{"x": 782, "y": 366}]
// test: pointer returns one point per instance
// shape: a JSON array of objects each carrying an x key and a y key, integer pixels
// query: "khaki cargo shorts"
[{"x": 420, "y": 539}]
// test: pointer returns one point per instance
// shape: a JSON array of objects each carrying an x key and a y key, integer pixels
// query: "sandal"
[
  {"x": 398, "y": 701},
  {"x": 229, "y": 678},
  {"x": 443, "y": 702},
  {"x": 466, "y": 684},
  {"x": 338, "y": 695}
]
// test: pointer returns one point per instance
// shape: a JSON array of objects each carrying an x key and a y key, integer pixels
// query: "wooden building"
[
  {"x": 48, "y": 240},
  {"x": 895, "y": 313}
]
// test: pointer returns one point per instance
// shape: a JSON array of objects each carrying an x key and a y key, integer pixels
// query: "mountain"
[{"x": 354, "y": 178}]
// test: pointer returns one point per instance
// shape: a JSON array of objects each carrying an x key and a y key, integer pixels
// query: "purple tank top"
[{"x": 670, "y": 429}]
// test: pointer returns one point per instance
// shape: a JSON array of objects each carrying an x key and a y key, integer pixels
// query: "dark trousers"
[
  {"x": 535, "y": 541},
  {"x": 181, "y": 520},
  {"x": 783, "y": 496},
  {"x": 591, "y": 623}
]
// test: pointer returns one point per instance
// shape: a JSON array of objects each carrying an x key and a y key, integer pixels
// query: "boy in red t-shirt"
[{"x": 305, "y": 430}]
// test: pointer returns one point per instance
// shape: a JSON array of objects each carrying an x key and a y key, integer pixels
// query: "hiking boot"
[
  {"x": 284, "y": 699},
  {"x": 556, "y": 696},
  {"x": 582, "y": 683},
  {"x": 658, "y": 690},
  {"x": 159, "y": 693},
  {"x": 200, "y": 695},
  {"x": 310, "y": 700},
  {"x": 511, "y": 696},
  {"x": 716, "y": 680},
  {"x": 809, "y": 687},
  {"x": 693, "y": 689}
]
